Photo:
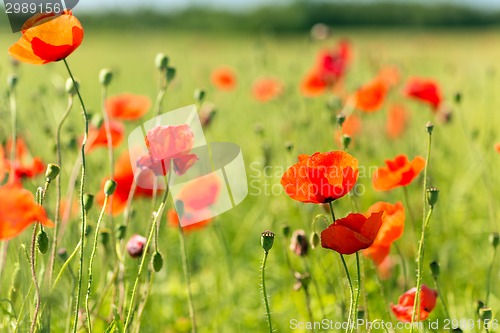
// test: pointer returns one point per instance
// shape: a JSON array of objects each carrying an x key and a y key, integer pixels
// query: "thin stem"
[
  {"x": 66, "y": 264},
  {"x": 91, "y": 262},
  {"x": 351, "y": 289},
  {"x": 308, "y": 305},
  {"x": 187, "y": 276},
  {"x": 264, "y": 291},
  {"x": 403, "y": 265},
  {"x": 490, "y": 272},
  {"x": 13, "y": 145},
  {"x": 443, "y": 301},
  {"x": 23, "y": 305},
  {"x": 82, "y": 191},
  {"x": 355, "y": 307},
  {"x": 33, "y": 275}
]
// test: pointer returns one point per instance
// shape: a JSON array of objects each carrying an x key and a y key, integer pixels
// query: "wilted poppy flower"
[
  {"x": 266, "y": 89},
  {"x": 25, "y": 166},
  {"x": 404, "y": 309},
  {"x": 399, "y": 172},
  {"x": 299, "y": 244},
  {"x": 497, "y": 147},
  {"x": 371, "y": 96},
  {"x": 425, "y": 90},
  {"x": 18, "y": 210},
  {"x": 97, "y": 136},
  {"x": 135, "y": 246},
  {"x": 321, "y": 177},
  {"x": 46, "y": 38},
  {"x": 393, "y": 222},
  {"x": 397, "y": 121},
  {"x": 127, "y": 106},
  {"x": 224, "y": 78},
  {"x": 352, "y": 233}
]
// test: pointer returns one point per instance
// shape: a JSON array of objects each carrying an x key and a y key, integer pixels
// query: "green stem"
[
  {"x": 91, "y": 262},
  {"x": 403, "y": 265},
  {"x": 33, "y": 275},
  {"x": 351, "y": 289},
  {"x": 187, "y": 276},
  {"x": 356, "y": 302},
  {"x": 13, "y": 145},
  {"x": 490, "y": 272},
  {"x": 66, "y": 264},
  {"x": 82, "y": 191},
  {"x": 264, "y": 291},
  {"x": 308, "y": 305},
  {"x": 443, "y": 301}
]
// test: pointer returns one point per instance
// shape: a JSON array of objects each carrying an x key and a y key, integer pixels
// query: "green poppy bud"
[
  {"x": 157, "y": 261},
  {"x": 340, "y": 119},
  {"x": 120, "y": 232},
  {"x": 199, "y": 95},
  {"x": 267, "y": 240},
  {"x": 346, "y": 141},
  {"x": 315, "y": 240},
  {"x": 171, "y": 71},
  {"x": 52, "y": 172},
  {"x": 105, "y": 77},
  {"x": 434, "y": 269},
  {"x": 432, "y": 195},
  {"x": 429, "y": 126},
  {"x": 161, "y": 61},
  {"x": 285, "y": 229},
  {"x": 71, "y": 87},
  {"x": 12, "y": 80},
  {"x": 494, "y": 239},
  {"x": 88, "y": 201},
  {"x": 42, "y": 241},
  {"x": 110, "y": 187}
]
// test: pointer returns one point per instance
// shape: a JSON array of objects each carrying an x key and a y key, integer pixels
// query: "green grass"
[{"x": 225, "y": 282}]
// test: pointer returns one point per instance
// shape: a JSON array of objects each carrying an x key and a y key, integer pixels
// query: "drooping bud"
[
  {"x": 52, "y": 172},
  {"x": 267, "y": 240},
  {"x": 161, "y": 61},
  {"x": 157, "y": 261},
  {"x": 298, "y": 243},
  {"x": 315, "y": 240},
  {"x": 71, "y": 88},
  {"x": 432, "y": 196},
  {"x": 494, "y": 239},
  {"x": 435, "y": 270},
  {"x": 110, "y": 187},
  {"x": 42, "y": 241},
  {"x": 120, "y": 231},
  {"x": 135, "y": 246},
  {"x": 285, "y": 229},
  {"x": 105, "y": 77}
]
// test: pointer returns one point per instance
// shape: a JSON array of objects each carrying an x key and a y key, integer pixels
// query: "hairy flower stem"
[
  {"x": 82, "y": 191},
  {"x": 33, "y": 275},
  {"x": 187, "y": 277},
  {"x": 425, "y": 221},
  {"x": 91, "y": 262},
  {"x": 264, "y": 291}
]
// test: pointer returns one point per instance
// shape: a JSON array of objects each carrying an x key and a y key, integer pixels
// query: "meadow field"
[{"x": 225, "y": 256}]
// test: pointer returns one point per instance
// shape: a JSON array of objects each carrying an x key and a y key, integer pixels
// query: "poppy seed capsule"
[
  {"x": 267, "y": 240},
  {"x": 161, "y": 61},
  {"x": 110, "y": 187},
  {"x": 12, "y": 80},
  {"x": 432, "y": 195},
  {"x": 135, "y": 246},
  {"x": 171, "y": 71},
  {"x": 88, "y": 201},
  {"x": 485, "y": 313},
  {"x": 52, "y": 172},
  {"x": 494, "y": 239},
  {"x": 71, "y": 87},
  {"x": 199, "y": 95},
  {"x": 105, "y": 77},
  {"x": 434, "y": 269},
  {"x": 157, "y": 261},
  {"x": 42, "y": 241}
]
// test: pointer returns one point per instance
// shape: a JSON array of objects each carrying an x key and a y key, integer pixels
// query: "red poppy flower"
[
  {"x": 127, "y": 106},
  {"x": 397, "y": 121},
  {"x": 25, "y": 166},
  {"x": 313, "y": 85},
  {"x": 371, "y": 96},
  {"x": 404, "y": 309},
  {"x": 332, "y": 64},
  {"x": 390, "y": 75},
  {"x": 224, "y": 78},
  {"x": 321, "y": 177},
  {"x": 392, "y": 229},
  {"x": 497, "y": 147},
  {"x": 425, "y": 90},
  {"x": 352, "y": 233},
  {"x": 267, "y": 89},
  {"x": 18, "y": 210},
  {"x": 98, "y": 138},
  {"x": 46, "y": 39},
  {"x": 399, "y": 172}
]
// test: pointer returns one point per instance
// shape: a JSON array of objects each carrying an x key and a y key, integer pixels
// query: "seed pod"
[
  {"x": 267, "y": 240},
  {"x": 432, "y": 195}
]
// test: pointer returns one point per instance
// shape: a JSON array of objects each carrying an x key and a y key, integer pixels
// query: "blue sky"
[{"x": 236, "y": 4}]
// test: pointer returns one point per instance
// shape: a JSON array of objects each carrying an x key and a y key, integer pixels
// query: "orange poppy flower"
[
  {"x": 497, "y": 147},
  {"x": 25, "y": 166},
  {"x": 321, "y": 177},
  {"x": 399, "y": 172},
  {"x": 313, "y": 85},
  {"x": 392, "y": 229},
  {"x": 127, "y": 106},
  {"x": 425, "y": 90},
  {"x": 224, "y": 78},
  {"x": 46, "y": 39},
  {"x": 350, "y": 127},
  {"x": 371, "y": 96},
  {"x": 397, "y": 121},
  {"x": 390, "y": 75},
  {"x": 98, "y": 138},
  {"x": 267, "y": 89},
  {"x": 18, "y": 210},
  {"x": 404, "y": 309},
  {"x": 351, "y": 233}
]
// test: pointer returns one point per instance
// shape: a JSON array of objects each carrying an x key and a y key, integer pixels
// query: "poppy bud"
[
  {"x": 120, "y": 232},
  {"x": 346, "y": 141},
  {"x": 104, "y": 236},
  {"x": 458, "y": 97},
  {"x": 429, "y": 126},
  {"x": 494, "y": 239},
  {"x": 485, "y": 313},
  {"x": 340, "y": 119},
  {"x": 105, "y": 77},
  {"x": 479, "y": 305},
  {"x": 267, "y": 240},
  {"x": 110, "y": 187},
  {"x": 88, "y": 201},
  {"x": 161, "y": 61},
  {"x": 157, "y": 261},
  {"x": 361, "y": 314},
  {"x": 299, "y": 244},
  {"x": 315, "y": 240},
  {"x": 199, "y": 95},
  {"x": 435, "y": 269},
  {"x": 52, "y": 172},
  {"x": 135, "y": 246},
  {"x": 63, "y": 254},
  {"x": 285, "y": 229},
  {"x": 12, "y": 80},
  {"x": 71, "y": 88},
  {"x": 432, "y": 195},
  {"x": 97, "y": 120},
  {"x": 171, "y": 71},
  {"x": 289, "y": 146},
  {"x": 42, "y": 240}
]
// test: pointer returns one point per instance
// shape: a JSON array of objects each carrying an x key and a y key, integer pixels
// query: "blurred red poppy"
[
  {"x": 497, "y": 147},
  {"x": 313, "y": 85},
  {"x": 267, "y": 89},
  {"x": 127, "y": 106},
  {"x": 47, "y": 38},
  {"x": 389, "y": 75},
  {"x": 3, "y": 167},
  {"x": 321, "y": 177},
  {"x": 18, "y": 210},
  {"x": 97, "y": 136},
  {"x": 425, "y": 90},
  {"x": 399, "y": 172},
  {"x": 404, "y": 309},
  {"x": 25, "y": 166},
  {"x": 350, "y": 127},
  {"x": 397, "y": 121},
  {"x": 352, "y": 233},
  {"x": 224, "y": 78},
  {"x": 371, "y": 96},
  {"x": 392, "y": 229}
]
